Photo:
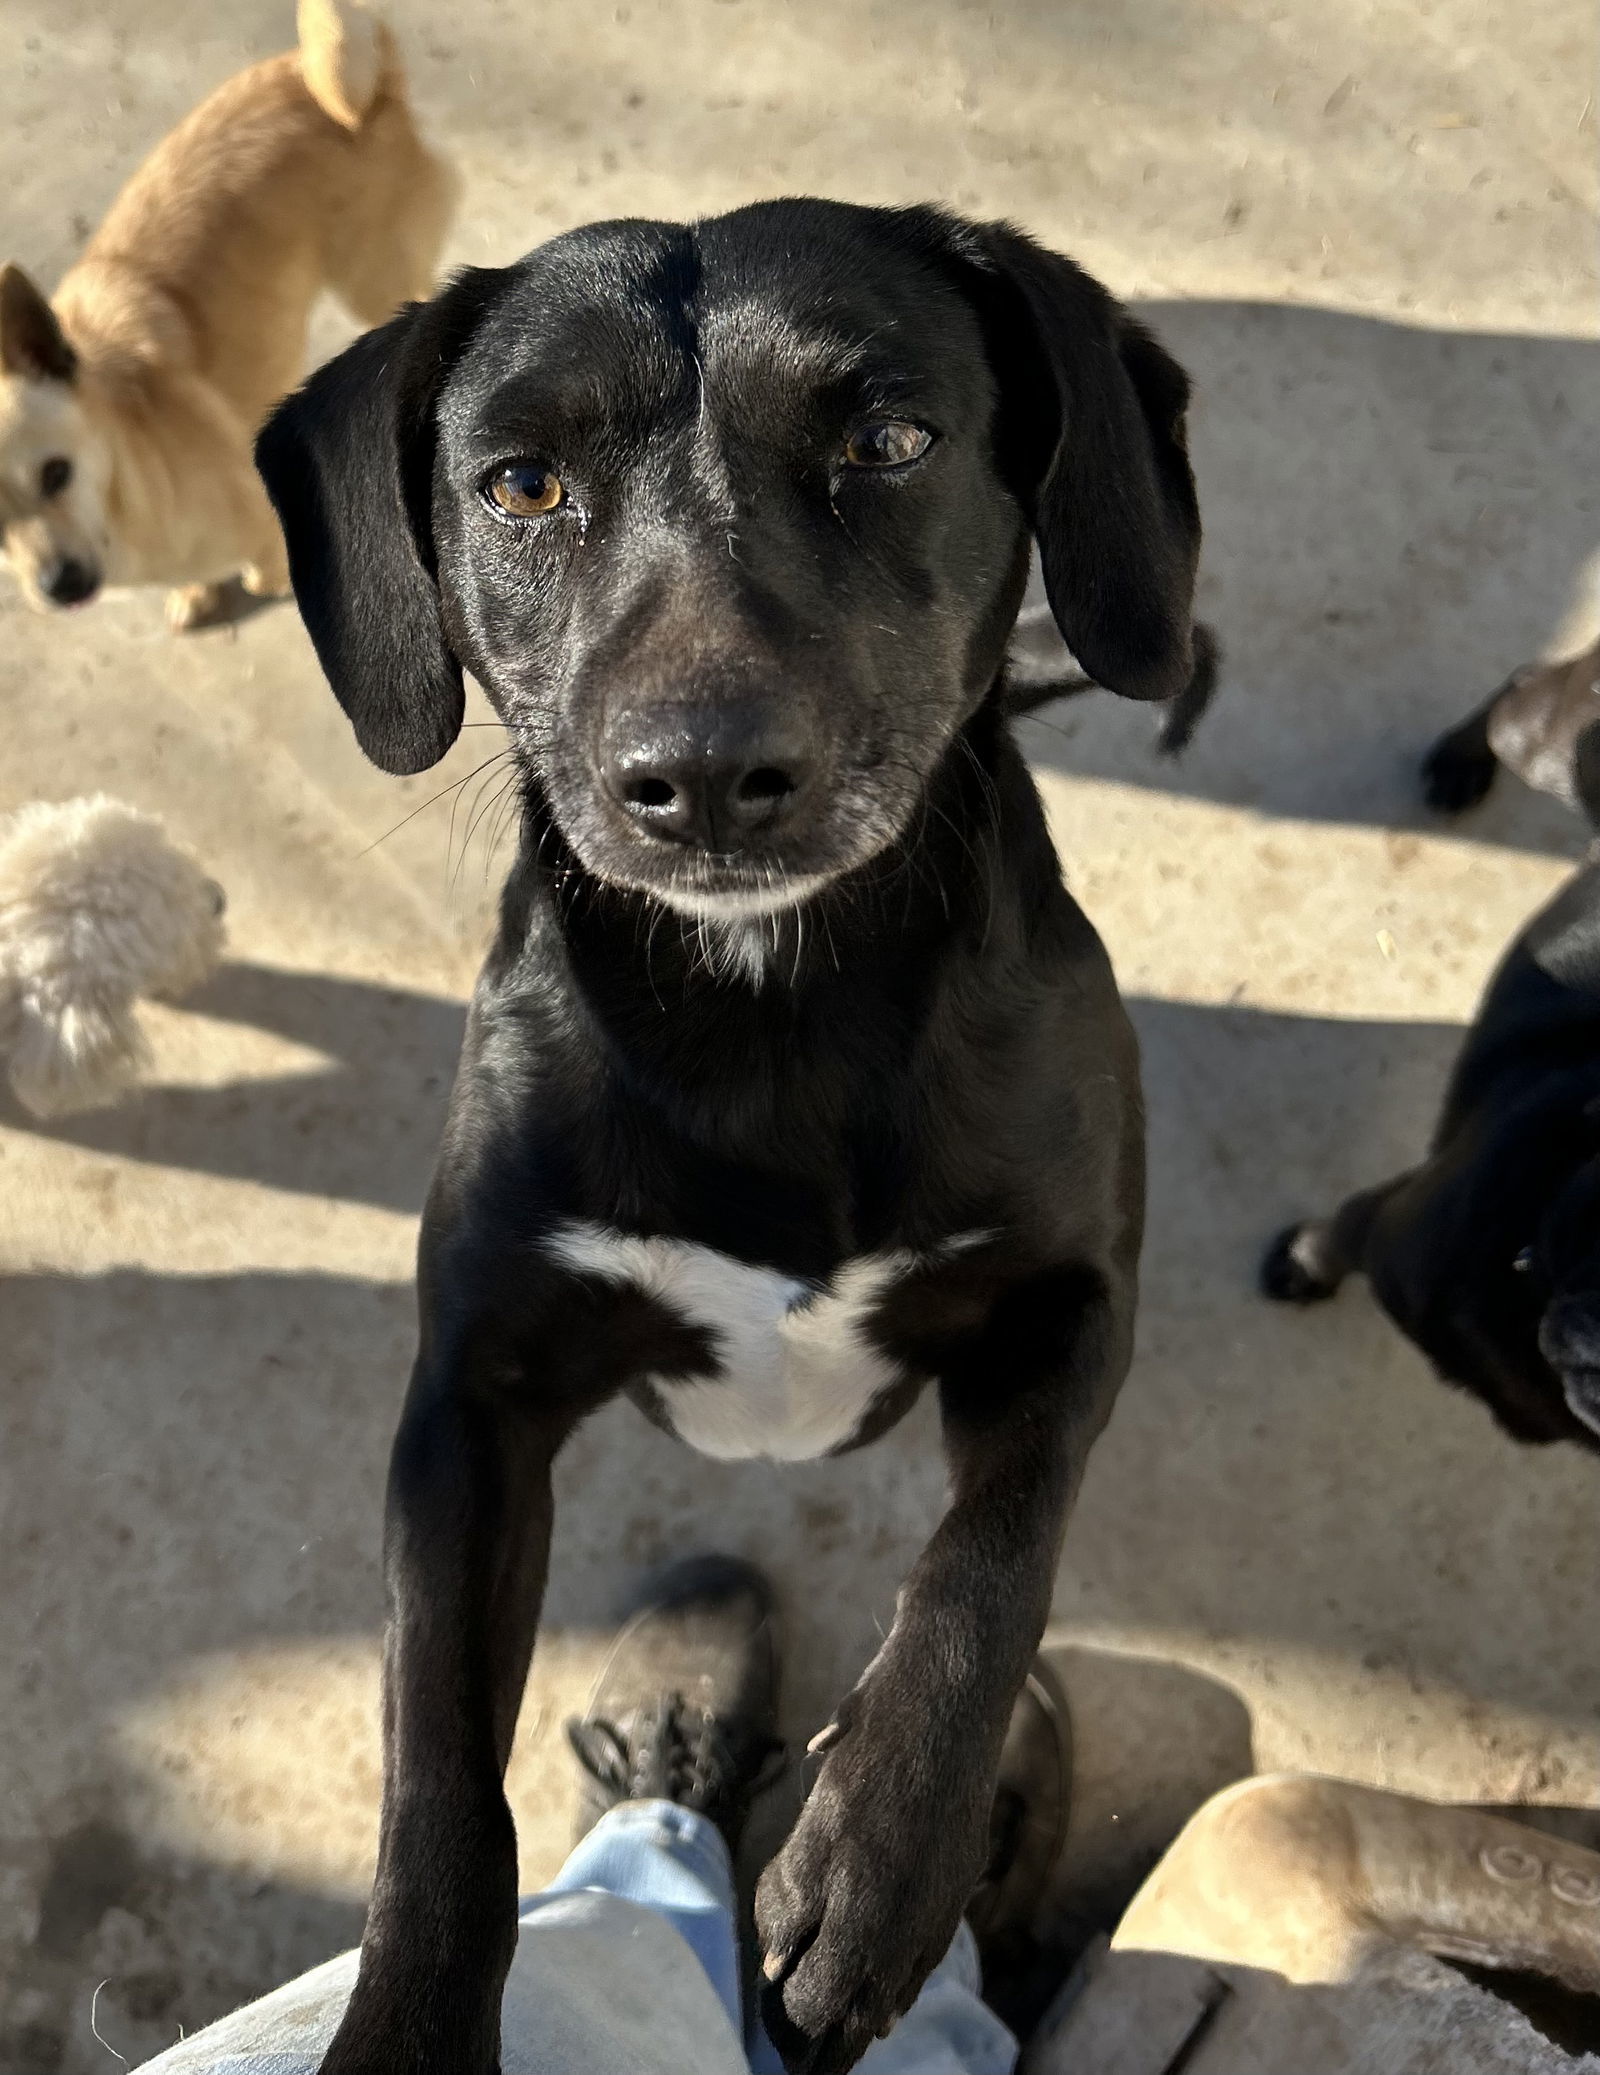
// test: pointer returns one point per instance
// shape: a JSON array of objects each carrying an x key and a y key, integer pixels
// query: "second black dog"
[
  {"x": 795, "y": 1080},
  {"x": 1543, "y": 724},
  {"x": 1488, "y": 1254}
]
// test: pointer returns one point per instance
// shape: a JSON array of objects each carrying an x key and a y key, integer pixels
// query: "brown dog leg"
[
  {"x": 194, "y": 606},
  {"x": 1308, "y": 1878}
]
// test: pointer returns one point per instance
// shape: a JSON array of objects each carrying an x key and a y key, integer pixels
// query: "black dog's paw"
[
  {"x": 848, "y": 1943},
  {"x": 1457, "y": 775},
  {"x": 859, "y": 1907},
  {"x": 1286, "y": 1277}
]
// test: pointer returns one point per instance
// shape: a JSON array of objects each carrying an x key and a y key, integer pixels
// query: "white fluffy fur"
[{"x": 97, "y": 907}]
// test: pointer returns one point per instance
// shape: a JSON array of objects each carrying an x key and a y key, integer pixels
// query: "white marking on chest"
[{"x": 798, "y": 1373}]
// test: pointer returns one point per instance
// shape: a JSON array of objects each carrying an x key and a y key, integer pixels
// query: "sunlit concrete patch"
[
  {"x": 268, "y": 1761},
  {"x": 94, "y": 1213},
  {"x": 1344, "y": 921},
  {"x": 191, "y": 1049}
]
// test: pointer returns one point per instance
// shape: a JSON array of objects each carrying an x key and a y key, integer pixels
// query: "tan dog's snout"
[
  {"x": 56, "y": 564},
  {"x": 69, "y": 580}
]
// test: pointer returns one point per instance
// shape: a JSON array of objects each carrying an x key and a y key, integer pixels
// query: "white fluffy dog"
[{"x": 97, "y": 907}]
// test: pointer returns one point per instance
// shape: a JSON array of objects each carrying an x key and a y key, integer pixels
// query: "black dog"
[
  {"x": 1488, "y": 1255},
  {"x": 795, "y": 1079},
  {"x": 1543, "y": 724},
  {"x": 1040, "y": 669}
]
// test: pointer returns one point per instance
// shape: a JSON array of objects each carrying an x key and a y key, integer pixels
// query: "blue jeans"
[{"x": 604, "y": 1981}]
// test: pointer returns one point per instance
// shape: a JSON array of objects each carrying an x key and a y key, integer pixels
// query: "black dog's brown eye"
[
  {"x": 55, "y": 476},
  {"x": 886, "y": 443},
  {"x": 526, "y": 489}
]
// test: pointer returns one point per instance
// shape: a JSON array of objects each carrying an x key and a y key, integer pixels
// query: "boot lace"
[{"x": 670, "y": 1751}]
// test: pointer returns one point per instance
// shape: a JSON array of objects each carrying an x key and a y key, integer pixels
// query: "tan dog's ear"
[{"x": 32, "y": 343}]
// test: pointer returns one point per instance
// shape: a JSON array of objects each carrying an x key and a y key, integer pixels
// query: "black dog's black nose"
[
  {"x": 712, "y": 781},
  {"x": 69, "y": 582}
]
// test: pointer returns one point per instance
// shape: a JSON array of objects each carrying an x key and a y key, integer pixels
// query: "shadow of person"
[
  {"x": 125, "y": 1956},
  {"x": 194, "y": 1472},
  {"x": 1151, "y": 1742},
  {"x": 1266, "y": 1473}
]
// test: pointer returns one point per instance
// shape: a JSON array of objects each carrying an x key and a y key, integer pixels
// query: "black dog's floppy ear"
[
  {"x": 1091, "y": 435},
  {"x": 348, "y": 464}
]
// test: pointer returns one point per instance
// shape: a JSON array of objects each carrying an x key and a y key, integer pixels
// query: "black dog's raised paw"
[
  {"x": 1456, "y": 776},
  {"x": 1284, "y": 1275},
  {"x": 861, "y": 1904},
  {"x": 841, "y": 1967}
]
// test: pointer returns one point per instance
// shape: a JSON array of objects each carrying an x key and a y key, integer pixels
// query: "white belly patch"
[{"x": 798, "y": 1374}]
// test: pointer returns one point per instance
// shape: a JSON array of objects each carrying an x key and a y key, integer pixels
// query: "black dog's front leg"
[
  {"x": 865, "y": 1896},
  {"x": 466, "y": 1548}
]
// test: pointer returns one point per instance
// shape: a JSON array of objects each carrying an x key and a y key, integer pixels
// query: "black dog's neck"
[{"x": 678, "y": 1077}]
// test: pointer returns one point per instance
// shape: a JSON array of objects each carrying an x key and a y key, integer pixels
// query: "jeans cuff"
[
  {"x": 689, "y": 1831},
  {"x": 689, "y": 1839}
]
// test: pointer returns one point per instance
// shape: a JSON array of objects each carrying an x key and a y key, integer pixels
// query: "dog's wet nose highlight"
[{"x": 712, "y": 784}]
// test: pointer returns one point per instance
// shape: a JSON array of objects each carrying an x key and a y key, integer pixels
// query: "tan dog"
[
  {"x": 1310, "y": 1879},
  {"x": 128, "y": 407},
  {"x": 1292, "y": 1929}
]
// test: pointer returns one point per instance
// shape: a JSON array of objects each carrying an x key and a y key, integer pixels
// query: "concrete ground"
[{"x": 1368, "y": 228}]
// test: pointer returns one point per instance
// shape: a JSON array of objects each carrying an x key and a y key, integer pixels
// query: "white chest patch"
[{"x": 798, "y": 1374}]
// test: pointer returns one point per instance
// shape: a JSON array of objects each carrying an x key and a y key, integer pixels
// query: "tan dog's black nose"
[
  {"x": 712, "y": 780},
  {"x": 69, "y": 582}
]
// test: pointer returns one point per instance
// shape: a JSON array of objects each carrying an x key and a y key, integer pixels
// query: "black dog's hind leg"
[
  {"x": 1032, "y": 682},
  {"x": 1459, "y": 770},
  {"x": 466, "y": 1547},
  {"x": 865, "y": 1896},
  {"x": 1307, "y": 1262}
]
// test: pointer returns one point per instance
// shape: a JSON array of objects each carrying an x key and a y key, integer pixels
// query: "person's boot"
[
  {"x": 1027, "y": 1830},
  {"x": 685, "y": 1707}
]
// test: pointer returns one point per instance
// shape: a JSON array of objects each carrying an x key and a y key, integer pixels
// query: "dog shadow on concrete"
[
  {"x": 1268, "y": 1472},
  {"x": 362, "y": 1126}
]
